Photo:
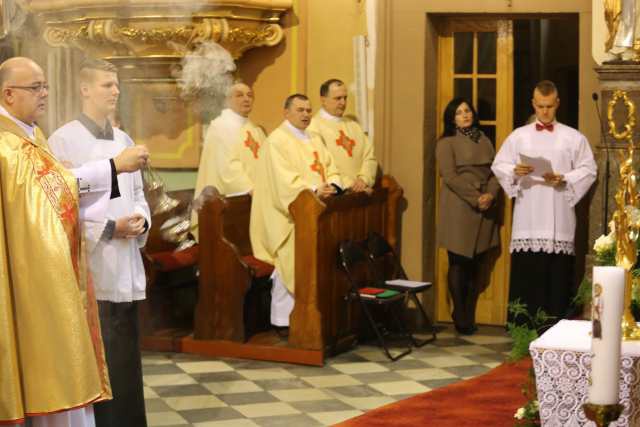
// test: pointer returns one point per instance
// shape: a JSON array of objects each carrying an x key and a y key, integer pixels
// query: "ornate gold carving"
[
  {"x": 57, "y": 37},
  {"x": 156, "y": 35},
  {"x": 260, "y": 36},
  {"x": 631, "y": 116},
  {"x": 627, "y": 199},
  {"x": 211, "y": 29},
  {"x": 139, "y": 39},
  {"x": 118, "y": 28}
]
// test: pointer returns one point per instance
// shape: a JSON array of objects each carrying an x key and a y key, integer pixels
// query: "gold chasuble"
[
  {"x": 349, "y": 146},
  {"x": 289, "y": 165},
  {"x": 229, "y": 158},
  {"x": 229, "y": 164},
  {"x": 51, "y": 354}
]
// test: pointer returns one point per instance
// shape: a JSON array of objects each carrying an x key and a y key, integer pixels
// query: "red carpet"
[{"x": 488, "y": 400}]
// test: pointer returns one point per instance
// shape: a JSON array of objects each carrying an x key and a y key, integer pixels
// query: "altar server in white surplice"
[
  {"x": 344, "y": 138},
  {"x": 113, "y": 242},
  {"x": 293, "y": 161},
  {"x": 546, "y": 167},
  {"x": 232, "y": 148}
]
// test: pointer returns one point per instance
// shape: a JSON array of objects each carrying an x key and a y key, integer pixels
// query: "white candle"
[{"x": 607, "y": 301}]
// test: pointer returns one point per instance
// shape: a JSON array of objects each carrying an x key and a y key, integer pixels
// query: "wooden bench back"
[
  {"x": 224, "y": 278},
  {"x": 236, "y": 214},
  {"x": 321, "y": 318}
]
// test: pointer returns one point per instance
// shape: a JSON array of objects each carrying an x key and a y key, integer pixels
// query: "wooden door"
[{"x": 476, "y": 62}]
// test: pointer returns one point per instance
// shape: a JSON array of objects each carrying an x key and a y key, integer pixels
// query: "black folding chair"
[
  {"x": 387, "y": 266},
  {"x": 353, "y": 260}
]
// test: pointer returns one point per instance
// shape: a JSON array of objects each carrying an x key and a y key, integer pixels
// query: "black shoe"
[
  {"x": 465, "y": 330},
  {"x": 282, "y": 331}
]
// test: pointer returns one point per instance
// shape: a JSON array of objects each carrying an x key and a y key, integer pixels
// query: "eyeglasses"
[{"x": 36, "y": 89}]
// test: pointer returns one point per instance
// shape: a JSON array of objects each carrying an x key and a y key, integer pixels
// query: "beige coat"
[{"x": 465, "y": 171}]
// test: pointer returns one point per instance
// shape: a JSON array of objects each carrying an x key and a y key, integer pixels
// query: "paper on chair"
[
  {"x": 540, "y": 164},
  {"x": 406, "y": 283}
]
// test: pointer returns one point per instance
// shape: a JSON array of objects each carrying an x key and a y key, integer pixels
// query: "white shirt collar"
[
  {"x": 229, "y": 114},
  {"x": 30, "y": 130},
  {"x": 300, "y": 134},
  {"x": 327, "y": 116}
]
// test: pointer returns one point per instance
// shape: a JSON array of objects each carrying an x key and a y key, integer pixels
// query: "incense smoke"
[{"x": 206, "y": 77}]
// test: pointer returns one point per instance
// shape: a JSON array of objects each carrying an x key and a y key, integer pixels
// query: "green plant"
[
  {"x": 583, "y": 294},
  {"x": 524, "y": 328}
]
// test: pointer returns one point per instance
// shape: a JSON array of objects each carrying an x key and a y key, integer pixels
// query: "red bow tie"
[{"x": 543, "y": 126}]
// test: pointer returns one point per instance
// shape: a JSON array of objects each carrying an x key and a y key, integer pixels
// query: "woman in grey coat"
[{"x": 468, "y": 225}]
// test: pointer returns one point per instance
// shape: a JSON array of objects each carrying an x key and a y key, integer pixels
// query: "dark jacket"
[{"x": 465, "y": 171}]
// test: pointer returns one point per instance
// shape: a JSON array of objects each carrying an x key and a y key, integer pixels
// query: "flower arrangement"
[
  {"x": 529, "y": 414},
  {"x": 604, "y": 247}
]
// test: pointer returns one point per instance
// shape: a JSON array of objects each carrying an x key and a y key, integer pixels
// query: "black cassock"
[{"x": 543, "y": 280}]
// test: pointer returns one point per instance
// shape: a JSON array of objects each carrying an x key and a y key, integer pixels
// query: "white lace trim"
[
  {"x": 562, "y": 383},
  {"x": 542, "y": 245}
]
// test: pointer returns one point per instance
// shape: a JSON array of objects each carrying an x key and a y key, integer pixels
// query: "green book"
[{"x": 387, "y": 294}]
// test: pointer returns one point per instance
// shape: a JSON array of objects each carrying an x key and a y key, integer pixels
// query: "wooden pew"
[
  {"x": 322, "y": 318},
  {"x": 228, "y": 272},
  {"x": 321, "y": 322}
]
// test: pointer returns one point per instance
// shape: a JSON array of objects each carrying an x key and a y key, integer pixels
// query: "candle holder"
[{"x": 602, "y": 415}]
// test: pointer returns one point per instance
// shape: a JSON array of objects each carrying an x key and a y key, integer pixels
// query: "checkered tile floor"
[{"x": 188, "y": 390}]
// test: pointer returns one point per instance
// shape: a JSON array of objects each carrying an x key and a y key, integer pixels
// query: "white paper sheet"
[
  {"x": 540, "y": 165},
  {"x": 406, "y": 283}
]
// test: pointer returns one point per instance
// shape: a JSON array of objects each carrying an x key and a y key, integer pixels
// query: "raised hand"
[{"x": 132, "y": 159}]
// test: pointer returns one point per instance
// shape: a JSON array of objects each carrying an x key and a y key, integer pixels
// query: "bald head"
[
  {"x": 240, "y": 99},
  {"x": 15, "y": 68},
  {"x": 24, "y": 89}
]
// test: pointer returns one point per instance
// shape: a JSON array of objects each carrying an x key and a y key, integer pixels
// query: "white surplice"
[
  {"x": 544, "y": 217},
  {"x": 81, "y": 417},
  {"x": 116, "y": 265}
]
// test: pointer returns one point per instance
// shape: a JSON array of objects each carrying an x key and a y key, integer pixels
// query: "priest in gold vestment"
[
  {"x": 293, "y": 161},
  {"x": 232, "y": 148},
  {"x": 52, "y": 365},
  {"x": 344, "y": 138}
]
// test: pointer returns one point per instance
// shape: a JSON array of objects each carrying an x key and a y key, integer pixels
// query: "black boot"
[
  {"x": 471, "y": 302},
  {"x": 457, "y": 281}
]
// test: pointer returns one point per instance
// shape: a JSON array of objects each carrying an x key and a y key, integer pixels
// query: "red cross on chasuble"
[
  {"x": 318, "y": 167},
  {"x": 252, "y": 144},
  {"x": 345, "y": 142}
]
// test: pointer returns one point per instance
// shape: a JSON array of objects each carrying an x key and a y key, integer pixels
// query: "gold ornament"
[{"x": 626, "y": 198}]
